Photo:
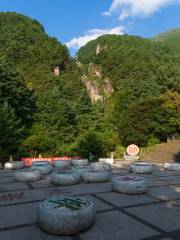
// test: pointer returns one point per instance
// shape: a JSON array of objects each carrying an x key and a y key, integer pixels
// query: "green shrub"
[
  {"x": 119, "y": 152},
  {"x": 67, "y": 150},
  {"x": 152, "y": 142},
  {"x": 89, "y": 144}
]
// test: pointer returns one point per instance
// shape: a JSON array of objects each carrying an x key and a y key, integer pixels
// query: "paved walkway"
[{"x": 151, "y": 216}]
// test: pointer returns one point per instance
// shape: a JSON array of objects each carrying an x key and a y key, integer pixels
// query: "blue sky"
[{"x": 75, "y": 22}]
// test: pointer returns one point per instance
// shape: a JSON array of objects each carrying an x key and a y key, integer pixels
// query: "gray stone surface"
[
  {"x": 13, "y": 186},
  {"x": 41, "y": 183},
  {"x": 135, "y": 185},
  {"x": 96, "y": 176},
  {"x": 30, "y": 195},
  {"x": 7, "y": 173},
  {"x": 150, "y": 175},
  {"x": 89, "y": 188},
  {"x": 163, "y": 215},
  {"x": 6, "y": 235},
  {"x": 18, "y": 204},
  {"x": 166, "y": 173},
  {"x": 171, "y": 179},
  {"x": 17, "y": 215},
  {"x": 153, "y": 182},
  {"x": 119, "y": 171},
  {"x": 60, "y": 220},
  {"x": 6, "y": 179},
  {"x": 33, "y": 233},
  {"x": 167, "y": 239},
  {"x": 114, "y": 225},
  {"x": 176, "y": 202},
  {"x": 99, "y": 205},
  {"x": 123, "y": 200},
  {"x": 164, "y": 193},
  {"x": 23, "y": 196}
]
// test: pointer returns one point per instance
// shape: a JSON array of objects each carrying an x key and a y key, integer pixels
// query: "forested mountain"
[
  {"x": 25, "y": 44},
  {"x": 45, "y": 106},
  {"x": 118, "y": 90},
  {"x": 144, "y": 80},
  {"x": 170, "y": 37}
]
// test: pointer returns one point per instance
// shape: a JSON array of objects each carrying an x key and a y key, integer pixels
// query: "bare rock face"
[
  {"x": 100, "y": 48},
  {"x": 92, "y": 89},
  {"x": 98, "y": 86}
]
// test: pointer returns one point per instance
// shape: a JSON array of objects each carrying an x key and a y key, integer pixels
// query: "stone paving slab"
[
  {"x": 171, "y": 179},
  {"x": 17, "y": 215},
  {"x": 167, "y": 239},
  {"x": 98, "y": 204},
  {"x": 166, "y": 173},
  {"x": 114, "y": 225},
  {"x": 6, "y": 235},
  {"x": 4, "y": 173},
  {"x": 18, "y": 208},
  {"x": 88, "y": 188},
  {"x": 23, "y": 196},
  {"x": 13, "y": 186},
  {"x": 123, "y": 200},
  {"x": 164, "y": 193},
  {"x": 163, "y": 215},
  {"x": 146, "y": 175},
  {"x": 41, "y": 183},
  {"x": 175, "y": 188},
  {"x": 6, "y": 179},
  {"x": 29, "y": 233},
  {"x": 119, "y": 171},
  {"x": 177, "y": 202},
  {"x": 156, "y": 182}
]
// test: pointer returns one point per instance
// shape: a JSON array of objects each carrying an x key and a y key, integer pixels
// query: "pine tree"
[{"x": 11, "y": 131}]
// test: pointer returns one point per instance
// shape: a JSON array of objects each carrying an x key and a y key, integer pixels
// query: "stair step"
[{"x": 165, "y": 152}]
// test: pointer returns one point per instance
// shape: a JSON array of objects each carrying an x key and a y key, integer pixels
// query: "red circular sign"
[{"x": 132, "y": 150}]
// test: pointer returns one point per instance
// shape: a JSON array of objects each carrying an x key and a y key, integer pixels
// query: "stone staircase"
[{"x": 165, "y": 152}]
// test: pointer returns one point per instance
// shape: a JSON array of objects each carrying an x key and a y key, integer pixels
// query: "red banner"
[{"x": 29, "y": 161}]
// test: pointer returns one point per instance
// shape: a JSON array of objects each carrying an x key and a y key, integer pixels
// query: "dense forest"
[
  {"x": 136, "y": 82},
  {"x": 143, "y": 103}
]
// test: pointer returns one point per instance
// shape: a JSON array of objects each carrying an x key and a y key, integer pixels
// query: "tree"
[
  {"x": 89, "y": 144},
  {"x": 152, "y": 118},
  {"x": 11, "y": 131},
  {"x": 14, "y": 91},
  {"x": 39, "y": 142}
]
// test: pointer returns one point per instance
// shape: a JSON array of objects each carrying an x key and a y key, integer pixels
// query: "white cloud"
[
  {"x": 141, "y": 8},
  {"x": 92, "y": 34},
  {"x": 106, "y": 14}
]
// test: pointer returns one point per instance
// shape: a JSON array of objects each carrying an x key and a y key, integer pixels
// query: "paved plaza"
[{"x": 150, "y": 216}]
